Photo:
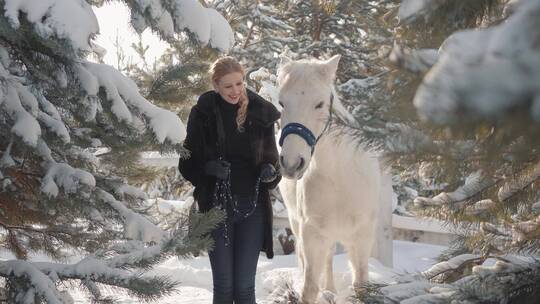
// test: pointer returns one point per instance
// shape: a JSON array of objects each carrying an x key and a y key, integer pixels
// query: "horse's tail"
[{"x": 383, "y": 242}]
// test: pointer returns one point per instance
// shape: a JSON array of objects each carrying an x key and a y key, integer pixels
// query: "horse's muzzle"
[{"x": 292, "y": 170}]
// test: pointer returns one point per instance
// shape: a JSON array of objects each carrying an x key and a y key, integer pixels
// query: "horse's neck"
[
  {"x": 331, "y": 151},
  {"x": 336, "y": 147}
]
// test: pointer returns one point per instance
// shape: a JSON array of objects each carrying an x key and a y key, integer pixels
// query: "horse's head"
[{"x": 306, "y": 94}]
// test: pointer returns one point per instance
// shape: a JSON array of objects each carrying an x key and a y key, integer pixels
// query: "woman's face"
[{"x": 231, "y": 87}]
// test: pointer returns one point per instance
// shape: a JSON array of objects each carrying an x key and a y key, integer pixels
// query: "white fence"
[{"x": 404, "y": 228}]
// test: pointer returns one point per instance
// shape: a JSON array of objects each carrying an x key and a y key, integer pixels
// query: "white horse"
[{"x": 333, "y": 189}]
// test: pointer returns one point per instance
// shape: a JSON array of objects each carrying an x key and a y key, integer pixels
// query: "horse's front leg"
[
  {"x": 328, "y": 278},
  {"x": 358, "y": 256},
  {"x": 315, "y": 248},
  {"x": 295, "y": 228},
  {"x": 288, "y": 188}
]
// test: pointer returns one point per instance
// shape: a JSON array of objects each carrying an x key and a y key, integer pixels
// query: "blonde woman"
[{"x": 233, "y": 164}]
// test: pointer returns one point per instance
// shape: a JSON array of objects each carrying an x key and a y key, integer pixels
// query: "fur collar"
[{"x": 260, "y": 111}]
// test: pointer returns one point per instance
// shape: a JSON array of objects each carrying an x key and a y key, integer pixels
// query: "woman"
[{"x": 233, "y": 164}]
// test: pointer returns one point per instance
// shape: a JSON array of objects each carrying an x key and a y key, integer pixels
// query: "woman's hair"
[{"x": 222, "y": 67}]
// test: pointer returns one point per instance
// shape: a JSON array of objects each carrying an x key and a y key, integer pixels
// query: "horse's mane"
[
  {"x": 346, "y": 128},
  {"x": 297, "y": 70}
]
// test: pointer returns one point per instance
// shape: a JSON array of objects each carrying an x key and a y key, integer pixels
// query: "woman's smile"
[{"x": 230, "y": 87}]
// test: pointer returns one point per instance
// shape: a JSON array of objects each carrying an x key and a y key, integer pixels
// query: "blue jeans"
[{"x": 234, "y": 265}]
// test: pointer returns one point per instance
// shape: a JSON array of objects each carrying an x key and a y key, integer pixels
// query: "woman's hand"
[
  {"x": 218, "y": 168},
  {"x": 268, "y": 173}
]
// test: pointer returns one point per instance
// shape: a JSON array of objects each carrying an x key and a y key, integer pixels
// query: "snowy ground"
[{"x": 196, "y": 278}]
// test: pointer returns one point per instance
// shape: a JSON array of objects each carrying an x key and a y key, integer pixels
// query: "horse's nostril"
[
  {"x": 281, "y": 160},
  {"x": 301, "y": 164}
]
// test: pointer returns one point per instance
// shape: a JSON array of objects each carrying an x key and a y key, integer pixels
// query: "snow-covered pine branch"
[
  {"x": 61, "y": 119},
  {"x": 39, "y": 280},
  {"x": 509, "y": 278},
  {"x": 186, "y": 239},
  {"x": 452, "y": 264},
  {"x": 416, "y": 61},
  {"x": 475, "y": 183},
  {"x": 435, "y": 11},
  {"x": 515, "y": 184},
  {"x": 454, "y": 87},
  {"x": 126, "y": 101},
  {"x": 479, "y": 207},
  {"x": 268, "y": 86},
  {"x": 169, "y": 17},
  {"x": 411, "y": 10}
]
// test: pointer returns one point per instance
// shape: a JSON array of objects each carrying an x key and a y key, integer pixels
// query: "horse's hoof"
[
  {"x": 306, "y": 301},
  {"x": 328, "y": 297}
]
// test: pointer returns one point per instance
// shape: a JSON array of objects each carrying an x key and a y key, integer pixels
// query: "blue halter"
[{"x": 302, "y": 131}]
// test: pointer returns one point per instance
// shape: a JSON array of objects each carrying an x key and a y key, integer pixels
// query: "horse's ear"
[
  {"x": 331, "y": 65},
  {"x": 284, "y": 60}
]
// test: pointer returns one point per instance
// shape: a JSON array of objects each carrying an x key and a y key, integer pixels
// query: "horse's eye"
[{"x": 319, "y": 105}]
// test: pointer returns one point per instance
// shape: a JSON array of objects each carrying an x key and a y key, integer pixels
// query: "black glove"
[
  {"x": 218, "y": 168},
  {"x": 268, "y": 173}
]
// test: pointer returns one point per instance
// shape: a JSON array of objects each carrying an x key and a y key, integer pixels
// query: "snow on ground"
[{"x": 196, "y": 278}]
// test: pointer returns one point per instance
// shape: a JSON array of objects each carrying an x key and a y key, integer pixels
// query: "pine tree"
[
  {"x": 177, "y": 77},
  {"x": 476, "y": 137},
  {"x": 304, "y": 28},
  {"x": 68, "y": 130},
  {"x": 173, "y": 81},
  {"x": 260, "y": 33}
]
